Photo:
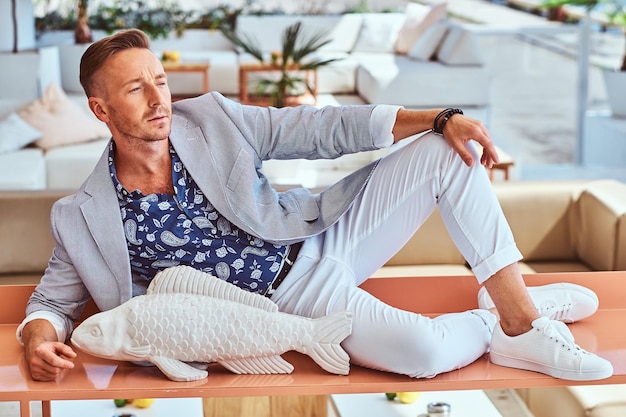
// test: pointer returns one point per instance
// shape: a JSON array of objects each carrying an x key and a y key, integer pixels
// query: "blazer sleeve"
[
  {"x": 302, "y": 132},
  {"x": 60, "y": 291}
]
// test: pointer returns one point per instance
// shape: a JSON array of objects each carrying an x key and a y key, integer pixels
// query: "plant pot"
[{"x": 615, "y": 83}]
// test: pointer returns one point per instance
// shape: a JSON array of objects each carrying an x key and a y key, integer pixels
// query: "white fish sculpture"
[{"x": 188, "y": 316}]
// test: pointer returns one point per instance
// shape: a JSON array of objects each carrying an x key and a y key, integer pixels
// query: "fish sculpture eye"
[{"x": 96, "y": 331}]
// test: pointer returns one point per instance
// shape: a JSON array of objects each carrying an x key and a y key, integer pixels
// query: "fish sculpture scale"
[{"x": 189, "y": 317}]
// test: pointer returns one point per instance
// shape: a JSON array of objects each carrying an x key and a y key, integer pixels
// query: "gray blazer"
[{"x": 222, "y": 145}]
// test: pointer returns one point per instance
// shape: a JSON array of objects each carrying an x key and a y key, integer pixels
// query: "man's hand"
[
  {"x": 460, "y": 129},
  {"x": 46, "y": 357}
]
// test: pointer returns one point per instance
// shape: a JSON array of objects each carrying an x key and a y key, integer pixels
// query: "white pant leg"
[
  {"x": 383, "y": 337},
  {"x": 400, "y": 196}
]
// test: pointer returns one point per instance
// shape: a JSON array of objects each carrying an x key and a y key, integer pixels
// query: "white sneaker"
[
  {"x": 561, "y": 301},
  {"x": 548, "y": 348}
]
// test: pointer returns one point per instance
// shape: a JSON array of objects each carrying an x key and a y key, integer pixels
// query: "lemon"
[
  {"x": 408, "y": 397},
  {"x": 143, "y": 402}
]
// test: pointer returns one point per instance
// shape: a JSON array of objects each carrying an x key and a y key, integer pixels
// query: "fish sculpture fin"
[
  {"x": 185, "y": 279},
  {"x": 177, "y": 370},
  {"x": 137, "y": 352},
  {"x": 258, "y": 365},
  {"x": 326, "y": 351}
]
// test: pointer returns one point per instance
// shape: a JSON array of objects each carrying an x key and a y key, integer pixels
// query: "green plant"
[
  {"x": 615, "y": 11},
  {"x": 223, "y": 16},
  {"x": 295, "y": 55},
  {"x": 157, "y": 21}
]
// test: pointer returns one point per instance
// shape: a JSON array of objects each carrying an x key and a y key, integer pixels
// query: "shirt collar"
[{"x": 125, "y": 196}]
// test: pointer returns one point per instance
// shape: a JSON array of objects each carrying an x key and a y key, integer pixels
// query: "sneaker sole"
[{"x": 509, "y": 362}]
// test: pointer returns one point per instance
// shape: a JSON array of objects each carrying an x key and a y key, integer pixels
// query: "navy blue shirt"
[{"x": 164, "y": 230}]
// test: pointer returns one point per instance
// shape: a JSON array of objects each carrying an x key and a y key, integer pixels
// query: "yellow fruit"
[
  {"x": 143, "y": 402},
  {"x": 408, "y": 397}
]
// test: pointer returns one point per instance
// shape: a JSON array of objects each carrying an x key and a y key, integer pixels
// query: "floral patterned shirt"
[{"x": 165, "y": 230}]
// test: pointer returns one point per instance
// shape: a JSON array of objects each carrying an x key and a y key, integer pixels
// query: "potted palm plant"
[{"x": 290, "y": 63}]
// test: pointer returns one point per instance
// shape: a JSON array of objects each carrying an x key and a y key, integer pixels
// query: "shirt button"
[{"x": 184, "y": 204}]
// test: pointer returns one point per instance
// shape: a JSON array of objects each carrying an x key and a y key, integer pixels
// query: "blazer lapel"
[
  {"x": 102, "y": 214},
  {"x": 192, "y": 148}
]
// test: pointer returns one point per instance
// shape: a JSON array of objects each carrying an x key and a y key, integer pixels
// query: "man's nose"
[{"x": 156, "y": 95}]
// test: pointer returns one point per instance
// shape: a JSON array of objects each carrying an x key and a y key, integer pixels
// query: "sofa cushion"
[
  {"x": 23, "y": 170},
  {"x": 427, "y": 45},
  {"x": 267, "y": 31},
  {"x": 549, "y": 267},
  {"x": 602, "y": 210},
  {"x": 61, "y": 120},
  {"x": 30, "y": 216},
  {"x": 379, "y": 32},
  {"x": 418, "y": 19},
  {"x": 546, "y": 231},
  {"x": 430, "y": 245},
  {"x": 577, "y": 401},
  {"x": 339, "y": 76},
  {"x": 82, "y": 157},
  {"x": 459, "y": 47},
  {"x": 342, "y": 30},
  {"x": 15, "y": 133},
  {"x": 397, "y": 79},
  {"x": 430, "y": 270}
]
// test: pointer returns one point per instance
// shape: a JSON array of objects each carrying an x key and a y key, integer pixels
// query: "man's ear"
[{"x": 98, "y": 109}]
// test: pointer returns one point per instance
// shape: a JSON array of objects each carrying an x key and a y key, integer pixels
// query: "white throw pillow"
[
  {"x": 379, "y": 32},
  {"x": 460, "y": 48},
  {"x": 15, "y": 133},
  {"x": 61, "y": 121},
  {"x": 426, "y": 46},
  {"x": 418, "y": 19}
]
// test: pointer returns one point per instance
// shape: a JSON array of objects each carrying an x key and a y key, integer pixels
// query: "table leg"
[
  {"x": 205, "y": 81},
  {"x": 315, "y": 86},
  {"x": 46, "y": 410},
  {"x": 25, "y": 408},
  {"x": 243, "y": 86}
]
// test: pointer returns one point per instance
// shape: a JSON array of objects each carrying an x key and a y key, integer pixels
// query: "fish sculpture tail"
[{"x": 326, "y": 351}]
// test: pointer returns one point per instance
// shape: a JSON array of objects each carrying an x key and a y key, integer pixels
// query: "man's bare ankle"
[{"x": 515, "y": 327}]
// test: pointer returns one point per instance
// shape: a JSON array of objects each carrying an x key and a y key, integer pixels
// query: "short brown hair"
[{"x": 95, "y": 56}]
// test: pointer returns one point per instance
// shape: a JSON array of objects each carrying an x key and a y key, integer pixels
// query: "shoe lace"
[
  {"x": 558, "y": 331},
  {"x": 556, "y": 312}
]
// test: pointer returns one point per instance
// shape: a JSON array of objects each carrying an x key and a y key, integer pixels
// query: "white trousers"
[{"x": 401, "y": 194}]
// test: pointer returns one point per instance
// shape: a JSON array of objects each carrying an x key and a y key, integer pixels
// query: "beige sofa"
[{"x": 558, "y": 225}]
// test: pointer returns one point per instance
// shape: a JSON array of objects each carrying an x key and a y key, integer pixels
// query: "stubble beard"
[{"x": 141, "y": 131}]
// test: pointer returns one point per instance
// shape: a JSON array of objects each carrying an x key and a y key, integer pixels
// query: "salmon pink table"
[{"x": 94, "y": 378}]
